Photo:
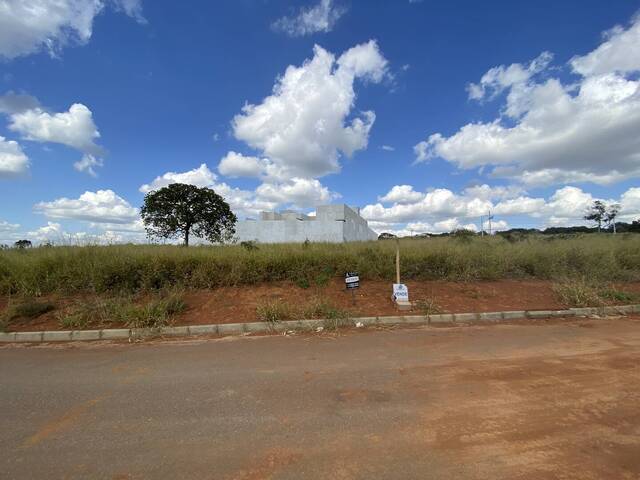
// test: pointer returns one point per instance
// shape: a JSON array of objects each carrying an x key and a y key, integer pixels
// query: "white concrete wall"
[{"x": 333, "y": 223}]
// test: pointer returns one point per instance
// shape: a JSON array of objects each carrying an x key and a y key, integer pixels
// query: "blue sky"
[{"x": 425, "y": 114}]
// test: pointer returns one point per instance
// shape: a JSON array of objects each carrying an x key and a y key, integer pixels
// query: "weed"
[
  {"x": 155, "y": 314},
  {"x": 249, "y": 245},
  {"x": 577, "y": 293},
  {"x": 99, "y": 312},
  {"x": 322, "y": 278},
  {"x": 583, "y": 293},
  {"x": 333, "y": 317},
  {"x": 274, "y": 311},
  {"x": 320, "y": 308},
  {"x": 74, "y": 321},
  {"x": 611, "y": 293},
  {"x": 336, "y": 323},
  {"x": 317, "y": 308},
  {"x": 428, "y": 306},
  {"x": 92, "y": 312}
]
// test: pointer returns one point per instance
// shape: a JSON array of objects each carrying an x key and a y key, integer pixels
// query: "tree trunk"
[{"x": 186, "y": 237}]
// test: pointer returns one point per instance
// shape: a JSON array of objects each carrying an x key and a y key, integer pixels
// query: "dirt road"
[{"x": 549, "y": 400}]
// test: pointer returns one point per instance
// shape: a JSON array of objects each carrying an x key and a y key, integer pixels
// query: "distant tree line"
[
  {"x": 620, "y": 227},
  {"x": 602, "y": 216}
]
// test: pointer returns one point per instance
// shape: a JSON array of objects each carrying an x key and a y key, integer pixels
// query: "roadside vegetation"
[
  {"x": 131, "y": 269},
  {"x": 316, "y": 308},
  {"x": 582, "y": 292},
  {"x": 27, "y": 308},
  {"x": 97, "y": 312},
  {"x": 150, "y": 311}
]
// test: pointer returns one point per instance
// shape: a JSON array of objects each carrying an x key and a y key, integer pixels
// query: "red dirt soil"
[{"x": 238, "y": 304}]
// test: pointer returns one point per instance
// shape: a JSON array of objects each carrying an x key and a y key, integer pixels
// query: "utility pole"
[{"x": 490, "y": 217}]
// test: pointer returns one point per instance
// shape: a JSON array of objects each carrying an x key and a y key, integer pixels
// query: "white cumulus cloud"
[
  {"x": 242, "y": 202},
  {"x": 402, "y": 194},
  {"x": 200, "y": 177},
  {"x": 237, "y": 165},
  {"x": 103, "y": 206},
  {"x": 620, "y": 52},
  {"x": 299, "y": 192},
  {"x": 442, "y": 210},
  {"x": 8, "y": 227},
  {"x": 436, "y": 204},
  {"x": 318, "y": 18},
  {"x": 13, "y": 161},
  {"x": 86, "y": 164},
  {"x": 29, "y": 26},
  {"x": 305, "y": 124},
  {"x": 74, "y": 128},
  {"x": 556, "y": 133}
]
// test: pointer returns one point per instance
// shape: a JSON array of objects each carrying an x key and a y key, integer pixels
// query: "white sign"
[
  {"x": 400, "y": 292},
  {"x": 352, "y": 279}
]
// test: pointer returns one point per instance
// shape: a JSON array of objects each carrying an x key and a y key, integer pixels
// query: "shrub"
[
  {"x": 30, "y": 309},
  {"x": 577, "y": 293},
  {"x": 249, "y": 245},
  {"x": 27, "y": 308},
  {"x": 274, "y": 311}
]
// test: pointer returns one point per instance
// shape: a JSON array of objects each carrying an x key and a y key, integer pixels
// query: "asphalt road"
[{"x": 550, "y": 400}]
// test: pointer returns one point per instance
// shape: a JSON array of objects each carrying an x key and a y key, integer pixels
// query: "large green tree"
[{"x": 180, "y": 210}]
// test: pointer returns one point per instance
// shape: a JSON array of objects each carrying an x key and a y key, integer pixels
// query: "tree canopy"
[
  {"x": 180, "y": 210},
  {"x": 22, "y": 244}
]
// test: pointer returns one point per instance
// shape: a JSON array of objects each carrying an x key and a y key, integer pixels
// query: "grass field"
[{"x": 140, "y": 268}]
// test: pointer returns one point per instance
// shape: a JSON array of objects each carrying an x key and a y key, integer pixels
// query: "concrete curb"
[{"x": 267, "y": 327}]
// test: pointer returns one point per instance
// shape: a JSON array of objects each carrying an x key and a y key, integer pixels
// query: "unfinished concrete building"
[{"x": 332, "y": 223}]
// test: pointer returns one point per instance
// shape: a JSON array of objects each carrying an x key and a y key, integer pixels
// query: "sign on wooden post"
[
  {"x": 352, "y": 280},
  {"x": 400, "y": 292}
]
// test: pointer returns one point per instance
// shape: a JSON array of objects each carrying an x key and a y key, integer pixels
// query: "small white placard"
[
  {"x": 400, "y": 292},
  {"x": 352, "y": 279}
]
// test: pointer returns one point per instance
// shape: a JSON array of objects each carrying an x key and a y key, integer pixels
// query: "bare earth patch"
[{"x": 238, "y": 304}]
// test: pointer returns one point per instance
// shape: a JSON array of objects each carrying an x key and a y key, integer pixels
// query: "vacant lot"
[
  {"x": 152, "y": 286},
  {"x": 132, "y": 269},
  {"x": 554, "y": 400}
]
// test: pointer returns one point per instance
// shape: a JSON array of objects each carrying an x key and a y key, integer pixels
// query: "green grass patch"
[{"x": 104, "y": 312}]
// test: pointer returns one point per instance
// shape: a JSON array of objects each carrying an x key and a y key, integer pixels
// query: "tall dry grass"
[{"x": 134, "y": 268}]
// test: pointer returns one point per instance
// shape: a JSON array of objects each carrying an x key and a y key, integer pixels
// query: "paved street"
[{"x": 552, "y": 400}]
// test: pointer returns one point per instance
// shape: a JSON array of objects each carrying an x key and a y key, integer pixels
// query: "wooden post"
[{"x": 397, "y": 260}]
